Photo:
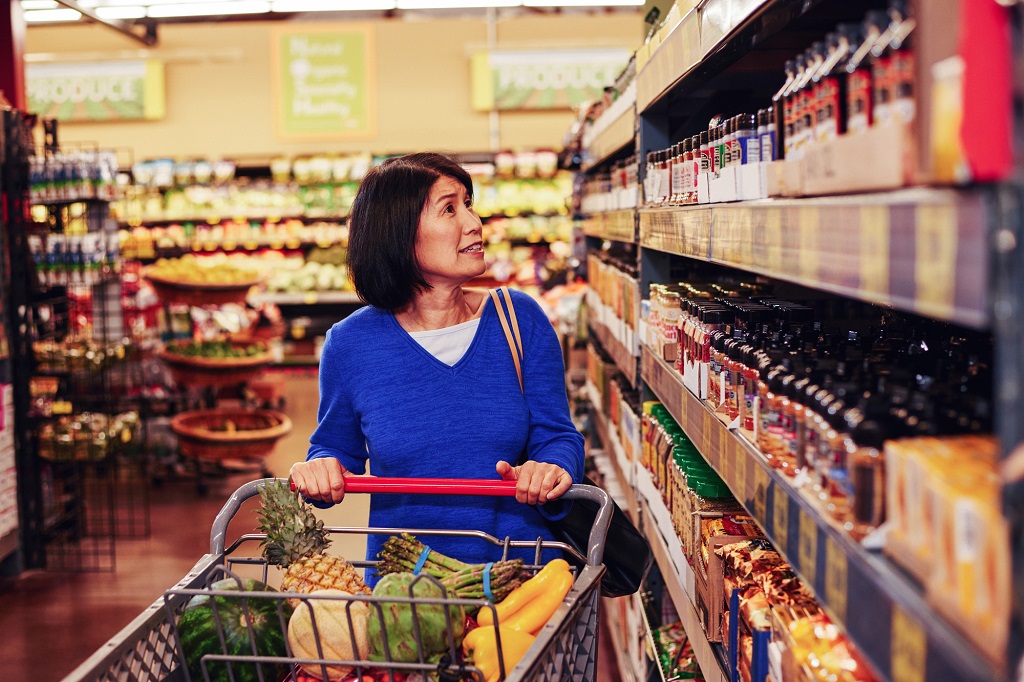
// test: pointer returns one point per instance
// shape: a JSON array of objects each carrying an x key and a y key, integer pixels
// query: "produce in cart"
[
  {"x": 338, "y": 623},
  {"x": 530, "y": 606},
  {"x": 249, "y": 626},
  {"x": 402, "y": 554},
  {"x": 297, "y": 541},
  {"x": 399, "y": 621}
]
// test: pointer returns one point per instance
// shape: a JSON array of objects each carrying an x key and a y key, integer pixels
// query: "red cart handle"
[{"x": 439, "y": 486}]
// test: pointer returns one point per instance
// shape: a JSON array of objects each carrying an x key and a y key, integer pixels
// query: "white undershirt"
[{"x": 449, "y": 344}]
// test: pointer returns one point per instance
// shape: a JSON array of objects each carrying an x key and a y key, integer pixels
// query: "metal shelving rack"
[
  {"x": 943, "y": 253},
  {"x": 73, "y": 508}
]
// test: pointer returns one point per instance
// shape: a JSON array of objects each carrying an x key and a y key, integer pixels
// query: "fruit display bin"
[
  {"x": 214, "y": 371},
  {"x": 203, "y": 435},
  {"x": 150, "y": 647},
  {"x": 190, "y": 293}
]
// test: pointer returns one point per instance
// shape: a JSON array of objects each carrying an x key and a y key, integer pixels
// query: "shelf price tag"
[
  {"x": 705, "y": 434},
  {"x": 909, "y": 648},
  {"x": 835, "y": 579},
  {"x": 740, "y": 460},
  {"x": 773, "y": 240},
  {"x": 810, "y": 248},
  {"x": 780, "y": 518},
  {"x": 935, "y": 247},
  {"x": 761, "y": 484},
  {"x": 874, "y": 251},
  {"x": 807, "y": 551}
]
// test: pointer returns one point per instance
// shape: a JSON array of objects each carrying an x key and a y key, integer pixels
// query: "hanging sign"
[
  {"x": 323, "y": 82},
  {"x": 543, "y": 79},
  {"x": 97, "y": 91}
]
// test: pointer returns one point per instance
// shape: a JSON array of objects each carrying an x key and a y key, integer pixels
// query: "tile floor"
[{"x": 50, "y": 622}]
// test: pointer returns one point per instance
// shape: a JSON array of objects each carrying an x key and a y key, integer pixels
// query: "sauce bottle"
[
  {"x": 783, "y": 100},
  {"x": 831, "y": 113},
  {"x": 859, "y": 87},
  {"x": 877, "y": 24}
]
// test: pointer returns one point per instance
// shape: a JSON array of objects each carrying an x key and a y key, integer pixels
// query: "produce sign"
[
  {"x": 543, "y": 79},
  {"x": 97, "y": 91},
  {"x": 323, "y": 82}
]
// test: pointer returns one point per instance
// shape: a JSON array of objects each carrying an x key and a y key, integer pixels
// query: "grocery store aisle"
[{"x": 50, "y": 622}]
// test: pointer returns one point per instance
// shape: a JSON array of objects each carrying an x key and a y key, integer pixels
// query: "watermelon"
[{"x": 197, "y": 633}]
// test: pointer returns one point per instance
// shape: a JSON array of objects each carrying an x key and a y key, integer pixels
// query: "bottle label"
[
  {"x": 902, "y": 70},
  {"x": 859, "y": 99},
  {"x": 881, "y": 75},
  {"x": 677, "y": 177},
  {"x": 751, "y": 149},
  {"x": 828, "y": 110},
  {"x": 768, "y": 147},
  {"x": 664, "y": 184}
]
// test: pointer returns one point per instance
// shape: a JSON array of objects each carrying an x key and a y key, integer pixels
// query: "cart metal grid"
[{"x": 565, "y": 649}]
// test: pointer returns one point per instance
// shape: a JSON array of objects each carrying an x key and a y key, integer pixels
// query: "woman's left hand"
[{"x": 537, "y": 482}]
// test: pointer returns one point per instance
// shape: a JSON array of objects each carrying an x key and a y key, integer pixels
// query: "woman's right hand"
[{"x": 321, "y": 479}]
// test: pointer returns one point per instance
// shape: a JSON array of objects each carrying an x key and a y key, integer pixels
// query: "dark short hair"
[{"x": 383, "y": 224}]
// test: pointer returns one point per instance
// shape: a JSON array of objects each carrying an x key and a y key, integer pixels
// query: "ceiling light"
[
  {"x": 41, "y": 16},
  {"x": 456, "y": 4},
  {"x": 126, "y": 12},
  {"x": 332, "y": 5},
  {"x": 583, "y": 3},
  {"x": 206, "y": 9},
  {"x": 38, "y": 4}
]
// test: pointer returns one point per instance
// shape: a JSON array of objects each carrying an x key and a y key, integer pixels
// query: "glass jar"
[{"x": 867, "y": 476}]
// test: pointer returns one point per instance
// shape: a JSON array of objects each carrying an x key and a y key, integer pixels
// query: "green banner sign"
[
  {"x": 323, "y": 82},
  {"x": 97, "y": 91},
  {"x": 543, "y": 79}
]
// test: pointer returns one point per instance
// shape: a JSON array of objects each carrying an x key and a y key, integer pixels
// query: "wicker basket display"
[
  {"x": 200, "y": 371},
  {"x": 187, "y": 293},
  {"x": 229, "y": 433}
]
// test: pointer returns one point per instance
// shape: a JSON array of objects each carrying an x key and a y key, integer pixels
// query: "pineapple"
[{"x": 296, "y": 541}]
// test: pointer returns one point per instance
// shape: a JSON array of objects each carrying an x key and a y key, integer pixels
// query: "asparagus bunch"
[{"x": 400, "y": 554}]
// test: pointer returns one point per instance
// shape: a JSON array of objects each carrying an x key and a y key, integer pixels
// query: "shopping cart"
[{"x": 565, "y": 649}]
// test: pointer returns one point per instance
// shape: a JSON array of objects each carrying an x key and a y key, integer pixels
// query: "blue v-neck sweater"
[{"x": 386, "y": 400}]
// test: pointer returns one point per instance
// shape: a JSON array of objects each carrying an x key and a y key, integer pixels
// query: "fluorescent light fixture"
[
  {"x": 583, "y": 3},
  {"x": 44, "y": 16},
  {"x": 125, "y": 12},
  {"x": 332, "y": 5},
  {"x": 28, "y": 5},
  {"x": 456, "y": 4},
  {"x": 207, "y": 9}
]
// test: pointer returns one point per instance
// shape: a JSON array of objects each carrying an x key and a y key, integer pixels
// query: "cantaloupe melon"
[{"x": 332, "y": 624}]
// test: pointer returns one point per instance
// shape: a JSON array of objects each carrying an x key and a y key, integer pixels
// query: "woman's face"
[{"x": 449, "y": 248}]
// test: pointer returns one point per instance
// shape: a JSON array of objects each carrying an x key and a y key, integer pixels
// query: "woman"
[{"x": 421, "y": 382}]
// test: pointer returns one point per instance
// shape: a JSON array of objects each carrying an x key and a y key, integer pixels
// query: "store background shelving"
[{"x": 941, "y": 253}]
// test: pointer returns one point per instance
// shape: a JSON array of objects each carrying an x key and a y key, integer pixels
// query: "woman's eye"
[
  {"x": 449, "y": 209},
  {"x": 469, "y": 204}
]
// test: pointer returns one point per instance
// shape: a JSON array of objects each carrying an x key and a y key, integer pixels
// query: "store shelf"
[
  {"x": 622, "y": 468},
  {"x": 719, "y": 18},
  {"x": 679, "y": 52},
  {"x": 215, "y": 218},
  {"x": 680, "y": 584},
  {"x": 619, "y": 134},
  {"x": 68, "y": 202},
  {"x": 617, "y": 629},
  {"x": 619, "y": 226},
  {"x": 919, "y": 250},
  {"x": 306, "y": 298},
  {"x": 882, "y": 610},
  {"x": 624, "y": 360}
]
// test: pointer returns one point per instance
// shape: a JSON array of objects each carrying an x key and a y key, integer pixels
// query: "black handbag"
[{"x": 627, "y": 554}]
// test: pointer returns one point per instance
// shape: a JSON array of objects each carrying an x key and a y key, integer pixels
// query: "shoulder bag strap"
[{"x": 516, "y": 352}]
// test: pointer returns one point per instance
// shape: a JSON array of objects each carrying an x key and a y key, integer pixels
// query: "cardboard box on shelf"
[
  {"x": 784, "y": 178},
  {"x": 880, "y": 158}
]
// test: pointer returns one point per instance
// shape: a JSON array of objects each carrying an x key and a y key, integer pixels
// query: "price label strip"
[
  {"x": 780, "y": 517},
  {"x": 836, "y": 580},
  {"x": 909, "y": 648},
  {"x": 935, "y": 242},
  {"x": 874, "y": 252},
  {"x": 761, "y": 485},
  {"x": 807, "y": 551}
]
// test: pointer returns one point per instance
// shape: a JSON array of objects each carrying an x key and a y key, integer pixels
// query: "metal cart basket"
[{"x": 149, "y": 647}]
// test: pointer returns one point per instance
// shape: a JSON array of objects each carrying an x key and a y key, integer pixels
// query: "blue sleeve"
[
  {"x": 553, "y": 437},
  {"x": 337, "y": 433}
]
